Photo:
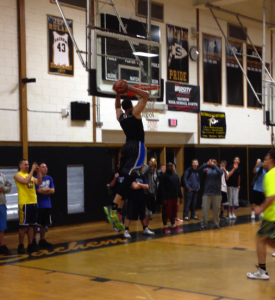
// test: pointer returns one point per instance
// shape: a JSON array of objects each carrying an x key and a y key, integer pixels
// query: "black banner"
[
  {"x": 177, "y": 54},
  {"x": 60, "y": 47},
  {"x": 234, "y": 74},
  {"x": 254, "y": 74},
  {"x": 213, "y": 125},
  {"x": 181, "y": 97},
  {"x": 212, "y": 69}
]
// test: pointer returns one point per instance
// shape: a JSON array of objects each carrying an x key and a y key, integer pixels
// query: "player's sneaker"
[
  {"x": 116, "y": 229},
  {"x": 178, "y": 220},
  {"x": 147, "y": 231},
  {"x": 116, "y": 220},
  {"x": 108, "y": 216},
  {"x": 273, "y": 254},
  {"x": 176, "y": 229},
  {"x": 126, "y": 234},
  {"x": 234, "y": 216},
  {"x": 4, "y": 250},
  {"x": 260, "y": 274}
]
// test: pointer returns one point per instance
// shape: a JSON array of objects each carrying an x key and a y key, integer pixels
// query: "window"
[
  {"x": 12, "y": 197},
  {"x": 73, "y": 3},
  {"x": 157, "y": 10},
  {"x": 75, "y": 189},
  {"x": 237, "y": 32}
]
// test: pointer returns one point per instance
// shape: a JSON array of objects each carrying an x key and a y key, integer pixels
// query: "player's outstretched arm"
[
  {"x": 138, "y": 109},
  {"x": 118, "y": 106}
]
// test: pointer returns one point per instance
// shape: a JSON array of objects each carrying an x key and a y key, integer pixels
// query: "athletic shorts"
[
  {"x": 44, "y": 217},
  {"x": 170, "y": 210},
  {"x": 150, "y": 205},
  {"x": 132, "y": 157},
  {"x": 267, "y": 229},
  {"x": 256, "y": 197},
  {"x": 3, "y": 217},
  {"x": 224, "y": 198},
  {"x": 28, "y": 214},
  {"x": 233, "y": 196},
  {"x": 136, "y": 208}
]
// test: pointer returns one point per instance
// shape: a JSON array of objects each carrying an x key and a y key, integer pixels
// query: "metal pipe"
[
  {"x": 149, "y": 36},
  {"x": 70, "y": 33},
  {"x": 89, "y": 19},
  {"x": 208, "y": 5},
  {"x": 263, "y": 70},
  {"x": 233, "y": 52}
]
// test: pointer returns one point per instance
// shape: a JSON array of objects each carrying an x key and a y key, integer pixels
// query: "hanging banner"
[
  {"x": 254, "y": 74},
  {"x": 212, "y": 69},
  {"x": 60, "y": 47},
  {"x": 234, "y": 78},
  {"x": 181, "y": 97},
  {"x": 213, "y": 125},
  {"x": 177, "y": 54}
]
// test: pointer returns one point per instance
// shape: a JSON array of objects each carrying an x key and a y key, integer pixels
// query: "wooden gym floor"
[{"x": 92, "y": 262}]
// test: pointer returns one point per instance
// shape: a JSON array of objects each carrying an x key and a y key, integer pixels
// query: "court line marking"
[{"x": 129, "y": 282}]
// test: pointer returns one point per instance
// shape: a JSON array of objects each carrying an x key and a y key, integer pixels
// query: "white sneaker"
[
  {"x": 234, "y": 216},
  {"x": 260, "y": 274},
  {"x": 230, "y": 216},
  {"x": 147, "y": 231},
  {"x": 261, "y": 215},
  {"x": 252, "y": 215},
  {"x": 273, "y": 254},
  {"x": 126, "y": 234}
]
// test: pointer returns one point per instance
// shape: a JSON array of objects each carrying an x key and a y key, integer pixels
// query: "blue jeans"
[{"x": 190, "y": 200}]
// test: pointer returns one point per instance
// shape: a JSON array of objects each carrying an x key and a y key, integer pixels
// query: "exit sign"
[{"x": 172, "y": 122}]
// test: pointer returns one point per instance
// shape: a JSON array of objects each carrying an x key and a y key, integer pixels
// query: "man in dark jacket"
[
  {"x": 191, "y": 180},
  {"x": 170, "y": 192},
  {"x": 212, "y": 192}
]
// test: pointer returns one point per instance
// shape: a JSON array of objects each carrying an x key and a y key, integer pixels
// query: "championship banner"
[
  {"x": 212, "y": 69},
  {"x": 181, "y": 97},
  {"x": 254, "y": 74},
  {"x": 177, "y": 54},
  {"x": 234, "y": 78},
  {"x": 60, "y": 47},
  {"x": 213, "y": 125}
]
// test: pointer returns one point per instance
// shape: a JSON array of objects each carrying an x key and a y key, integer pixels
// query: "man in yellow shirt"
[
  {"x": 27, "y": 203},
  {"x": 266, "y": 233}
]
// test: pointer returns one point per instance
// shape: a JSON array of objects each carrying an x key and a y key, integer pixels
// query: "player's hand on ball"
[{"x": 120, "y": 86}]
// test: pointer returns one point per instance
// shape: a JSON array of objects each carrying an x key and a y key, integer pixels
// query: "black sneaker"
[
  {"x": 217, "y": 227},
  {"x": 4, "y": 250},
  {"x": 195, "y": 218},
  {"x": 45, "y": 244},
  {"x": 34, "y": 243},
  {"x": 20, "y": 249},
  {"x": 32, "y": 248},
  {"x": 203, "y": 227}
]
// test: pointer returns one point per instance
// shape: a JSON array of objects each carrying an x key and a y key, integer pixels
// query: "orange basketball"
[{"x": 120, "y": 86}]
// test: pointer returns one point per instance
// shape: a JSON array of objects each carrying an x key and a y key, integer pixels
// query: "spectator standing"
[
  {"x": 151, "y": 175},
  {"x": 5, "y": 187},
  {"x": 27, "y": 203},
  {"x": 170, "y": 191},
  {"x": 44, "y": 205},
  {"x": 233, "y": 187},
  {"x": 191, "y": 184},
  {"x": 212, "y": 192}
]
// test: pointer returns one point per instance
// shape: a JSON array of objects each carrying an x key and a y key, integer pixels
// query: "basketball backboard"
[{"x": 118, "y": 56}]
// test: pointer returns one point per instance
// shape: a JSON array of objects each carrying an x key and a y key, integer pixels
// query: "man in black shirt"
[
  {"x": 133, "y": 151},
  {"x": 233, "y": 187},
  {"x": 170, "y": 191}
]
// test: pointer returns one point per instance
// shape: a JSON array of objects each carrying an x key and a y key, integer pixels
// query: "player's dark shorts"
[
  {"x": 150, "y": 203},
  {"x": 224, "y": 197},
  {"x": 170, "y": 210},
  {"x": 267, "y": 228},
  {"x": 257, "y": 198},
  {"x": 132, "y": 157},
  {"x": 27, "y": 214},
  {"x": 136, "y": 208},
  {"x": 44, "y": 217}
]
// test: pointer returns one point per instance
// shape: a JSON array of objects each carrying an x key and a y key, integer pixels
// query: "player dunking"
[{"x": 133, "y": 151}]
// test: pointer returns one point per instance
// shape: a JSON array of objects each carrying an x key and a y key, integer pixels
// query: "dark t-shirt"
[
  {"x": 233, "y": 179},
  {"x": 119, "y": 180},
  {"x": 137, "y": 194}
]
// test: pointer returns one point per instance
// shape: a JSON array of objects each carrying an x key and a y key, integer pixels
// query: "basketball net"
[{"x": 149, "y": 110}]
